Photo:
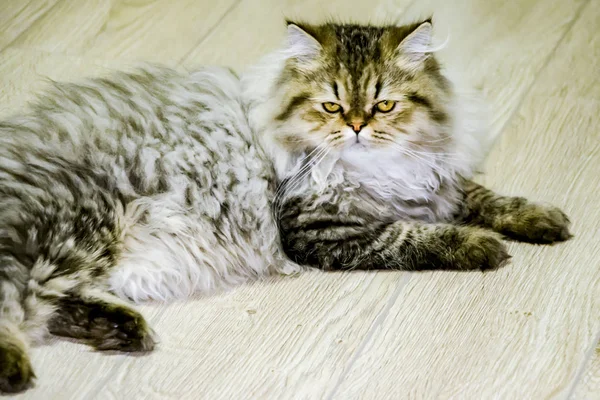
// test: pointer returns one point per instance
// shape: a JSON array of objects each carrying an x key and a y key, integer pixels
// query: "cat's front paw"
[
  {"x": 480, "y": 249},
  {"x": 536, "y": 223}
]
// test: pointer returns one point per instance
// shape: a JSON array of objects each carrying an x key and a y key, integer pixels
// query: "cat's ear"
[
  {"x": 301, "y": 45},
  {"x": 416, "y": 46}
]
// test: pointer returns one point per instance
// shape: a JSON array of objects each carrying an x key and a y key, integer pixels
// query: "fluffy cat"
[{"x": 345, "y": 149}]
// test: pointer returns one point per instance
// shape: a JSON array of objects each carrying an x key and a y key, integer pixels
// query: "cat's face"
[{"x": 358, "y": 88}]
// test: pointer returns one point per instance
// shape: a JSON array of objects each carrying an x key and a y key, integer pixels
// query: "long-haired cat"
[{"x": 345, "y": 149}]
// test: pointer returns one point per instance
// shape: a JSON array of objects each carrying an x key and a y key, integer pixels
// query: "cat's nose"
[{"x": 356, "y": 126}]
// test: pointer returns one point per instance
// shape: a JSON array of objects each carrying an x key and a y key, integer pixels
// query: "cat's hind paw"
[{"x": 16, "y": 374}]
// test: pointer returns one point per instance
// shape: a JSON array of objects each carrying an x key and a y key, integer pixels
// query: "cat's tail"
[{"x": 16, "y": 374}]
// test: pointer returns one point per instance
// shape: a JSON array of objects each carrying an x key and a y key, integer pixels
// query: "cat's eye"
[
  {"x": 385, "y": 106},
  {"x": 332, "y": 107}
]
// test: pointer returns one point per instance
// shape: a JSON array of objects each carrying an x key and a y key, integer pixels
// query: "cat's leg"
[
  {"x": 48, "y": 298},
  {"x": 514, "y": 217},
  {"x": 341, "y": 242},
  {"x": 27, "y": 300},
  {"x": 16, "y": 373},
  {"x": 102, "y": 320},
  {"x": 63, "y": 304}
]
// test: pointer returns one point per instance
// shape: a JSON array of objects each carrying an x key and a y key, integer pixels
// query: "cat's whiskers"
[
  {"x": 417, "y": 156},
  {"x": 451, "y": 156},
  {"x": 304, "y": 171},
  {"x": 297, "y": 180},
  {"x": 317, "y": 149},
  {"x": 442, "y": 139},
  {"x": 290, "y": 139},
  {"x": 284, "y": 187}
]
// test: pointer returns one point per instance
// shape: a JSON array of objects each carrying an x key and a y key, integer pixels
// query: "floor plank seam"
[
  {"x": 209, "y": 32},
  {"x": 589, "y": 354},
  {"x": 371, "y": 332},
  {"x": 544, "y": 65}
]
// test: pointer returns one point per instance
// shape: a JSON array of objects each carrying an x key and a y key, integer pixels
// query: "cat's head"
[{"x": 355, "y": 91}]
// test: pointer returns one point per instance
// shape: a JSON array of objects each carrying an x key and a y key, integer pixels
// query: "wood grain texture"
[
  {"x": 149, "y": 30},
  {"x": 25, "y": 72},
  {"x": 526, "y": 331},
  {"x": 68, "y": 27},
  {"x": 275, "y": 340},
  {"x": 588, "y": 387},
  {"x": 16, "y": 16}
]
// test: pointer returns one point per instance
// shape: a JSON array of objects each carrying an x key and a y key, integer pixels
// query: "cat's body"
[
  {"x": 164, "y": 162},
  {"x": 158, "y": 184}
]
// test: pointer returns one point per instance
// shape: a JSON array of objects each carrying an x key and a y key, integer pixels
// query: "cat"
[{"x": 347, "y": 148}]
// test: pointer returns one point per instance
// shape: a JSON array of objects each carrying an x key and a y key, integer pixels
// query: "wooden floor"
[{"x": 528, "y": 331}]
